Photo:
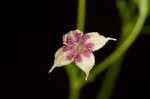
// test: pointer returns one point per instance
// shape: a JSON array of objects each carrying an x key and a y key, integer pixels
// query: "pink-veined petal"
[
  {"x": 63, "y": 56},
  {"x": 72, "y": 37},
  {"x": 96, "y": 41},
  {"x": 85, "y": 61}
]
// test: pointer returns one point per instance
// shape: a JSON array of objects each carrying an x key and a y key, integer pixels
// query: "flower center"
[{"x": 79, "y": 48}]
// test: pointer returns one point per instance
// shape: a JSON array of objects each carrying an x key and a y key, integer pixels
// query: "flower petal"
[
  {"x": 63, "y": 56},
  {"x": 96, "y": 41},
  {"x": 72, "y": 37},
  {"x": 85, "y": 61}
]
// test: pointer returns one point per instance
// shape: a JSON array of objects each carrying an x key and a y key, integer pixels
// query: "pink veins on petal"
[
  {"x": 78, "y": 58},
  {"x": 90, "y": 46},
  {"x": 86, "y": 53},
  {"x": 69, "y": 40},
  {"x": 70, "y": 56},
  {"x": 77, "y": 46}
]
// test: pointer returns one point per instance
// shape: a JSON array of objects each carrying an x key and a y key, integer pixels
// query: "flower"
[{"x": 78, "y": 47}]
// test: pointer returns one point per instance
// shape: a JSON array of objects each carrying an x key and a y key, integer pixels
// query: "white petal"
[
  {"x": 62, "y": 57},
  {"x": 97, "y": 40},
  {"x": 85, "y": 63},
  {"x": 71, "y": 37}
]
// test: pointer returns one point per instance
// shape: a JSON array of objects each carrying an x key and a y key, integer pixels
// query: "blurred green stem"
[
  {"x": 75, "y": 80},
  {"x": 74, "y": 90},
  {"x": 110, "y": 80},
  {"x": 120, "y": 49},
  {"x": 112, "y": 74}
]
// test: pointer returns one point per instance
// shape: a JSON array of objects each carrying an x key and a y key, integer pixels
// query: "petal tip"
[
  {"x": 109, "y": 38},
  {"x": 87, "y": 74},
  {"x": 52, "y": 68}
]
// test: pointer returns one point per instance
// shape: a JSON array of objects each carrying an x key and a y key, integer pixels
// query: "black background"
[{"x": 33, "y": 32}]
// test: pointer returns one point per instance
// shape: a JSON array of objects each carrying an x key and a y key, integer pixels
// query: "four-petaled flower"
[{"x": 78, "y": 47}]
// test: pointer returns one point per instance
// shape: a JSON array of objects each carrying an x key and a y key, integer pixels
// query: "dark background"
[{"x": 33, "y": 32}]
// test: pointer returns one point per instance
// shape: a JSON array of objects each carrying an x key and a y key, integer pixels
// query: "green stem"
[
  {"x": 112, "y": 74},
  {"x": 121, "y": 49},
  {"x": 75, "y": 77},
  {"x": 74, "y": 91},
  {"x": 110, "y": 80},
  {"x": 74, "y": 94},
  {"x": 81, "y": 14},
  {"x": 124, "y": 11},
  {"x": 75, "y": 81}
]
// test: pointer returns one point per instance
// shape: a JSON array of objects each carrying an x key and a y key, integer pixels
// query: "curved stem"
[
  {"x": 110, "y": 80},
  {"x": 121, "y": 49}
]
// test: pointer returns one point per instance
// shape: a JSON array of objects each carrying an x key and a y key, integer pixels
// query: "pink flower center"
[{"x": 78, "y": 46}]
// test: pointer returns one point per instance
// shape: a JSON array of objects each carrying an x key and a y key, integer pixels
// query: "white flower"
[{"x": 78, "y": 47}]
